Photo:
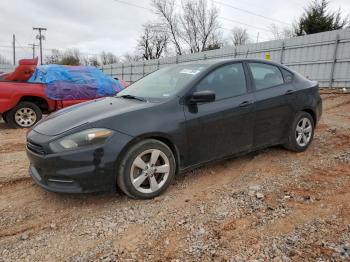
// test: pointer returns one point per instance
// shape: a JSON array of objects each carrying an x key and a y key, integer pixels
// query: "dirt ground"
[{"x": 272, "y": 205}]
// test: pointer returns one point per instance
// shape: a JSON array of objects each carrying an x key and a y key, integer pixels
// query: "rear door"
[
  {"x": 225, "y": 126},
  {"x": 274, "y": 95}
]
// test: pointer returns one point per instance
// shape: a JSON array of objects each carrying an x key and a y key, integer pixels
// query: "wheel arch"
[
  {"x": 312, "y": 113},
  {"x": 157, "y": 136},
  {"x": 39, "y": 101}
]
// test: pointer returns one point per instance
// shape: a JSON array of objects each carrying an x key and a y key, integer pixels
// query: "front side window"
[
  {"x": 265, "y": 75},
  {"x": 226, "y": 81}
]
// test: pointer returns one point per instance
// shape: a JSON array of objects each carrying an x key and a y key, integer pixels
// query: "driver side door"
[{"x": 225, "y": 126}]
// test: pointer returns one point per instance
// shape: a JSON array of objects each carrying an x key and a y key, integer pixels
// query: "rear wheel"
[
  {"x": 24, "y": 115},
  {"x": 146, "y": 170},
  {"x": 301, "y": 133}
]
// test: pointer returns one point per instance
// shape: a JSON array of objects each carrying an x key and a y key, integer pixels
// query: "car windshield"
[{"x": 163, "y": 83}]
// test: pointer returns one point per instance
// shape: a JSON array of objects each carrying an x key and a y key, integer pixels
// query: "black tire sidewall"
[
  {"x": 10, "y": 116},
  {"x": 123, "y": 179},
  {"x": 292, "y": 143},
  {"x": 4, "y": 118}
]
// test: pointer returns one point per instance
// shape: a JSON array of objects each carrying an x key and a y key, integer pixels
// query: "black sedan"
[{"x": 175, "y": 119}]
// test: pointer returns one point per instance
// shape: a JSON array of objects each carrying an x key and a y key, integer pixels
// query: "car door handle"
[
  {"x": 290, "y": 91},
  {"x": 246, "y": 103}
]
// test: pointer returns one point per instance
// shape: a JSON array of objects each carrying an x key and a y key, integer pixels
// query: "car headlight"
[{"x": 94, "y": 136}]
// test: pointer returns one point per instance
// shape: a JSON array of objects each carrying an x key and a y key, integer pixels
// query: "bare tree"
[
  {"x": 71, "y": 57},
  {"x": 129, "y": 57},
  {"x": 153, "y": 42},
  {"x": 240, "y": 36},
  {"x": 207, "y": 19},
  {"x": 190, "y": 25},
  {"x": 84, "y": 60},
  {"x": 108, "y": 58},
  {"x": 194, "y": 25},
  {"x": 93, "y": 61},
  {"x": 4, "y": 61},
  {"x": 216, "y": 41},
  {"x": 281, "y": 33},
  {"x": 54, "y": 58},
  {"x": 167, "y": 11}
]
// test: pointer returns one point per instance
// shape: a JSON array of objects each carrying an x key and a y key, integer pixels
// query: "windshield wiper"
[{"x": 133, "y": 97}]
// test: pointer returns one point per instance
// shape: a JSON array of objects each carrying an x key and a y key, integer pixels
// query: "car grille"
[{"x": 38, "y": 149}]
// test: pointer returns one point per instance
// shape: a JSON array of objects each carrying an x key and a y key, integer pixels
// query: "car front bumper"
[{"x": 82, "y": 171}]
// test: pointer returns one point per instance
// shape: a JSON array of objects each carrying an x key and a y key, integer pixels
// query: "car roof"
[
  {"x": 222, "y": 61},
  {"x": 228, "y": 60}
]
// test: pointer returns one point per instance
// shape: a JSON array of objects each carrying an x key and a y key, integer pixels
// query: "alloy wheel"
[
  {"x": 303, "y": 132},
  {"x": 150, "y": 171}
]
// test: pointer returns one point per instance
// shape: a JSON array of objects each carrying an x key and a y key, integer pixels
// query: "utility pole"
[
  {"x": 40, "y": 37},
  {"x": 14, "y": 48},
  {"x": 33, "y": 47}
]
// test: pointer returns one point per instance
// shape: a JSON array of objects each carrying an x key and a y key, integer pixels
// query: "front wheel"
[
  {"x": 4, "y": 117},
  {"x": 24, "y": 115},
  {"x": 301, "y": 132},
  {"x": 146, "y": 170}
]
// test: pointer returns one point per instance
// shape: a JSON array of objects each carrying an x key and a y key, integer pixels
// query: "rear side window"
[
  {"x": 288, "y": 76},
  {"x": 226, "y": 81},
  {"x": 265, "y": 75}
]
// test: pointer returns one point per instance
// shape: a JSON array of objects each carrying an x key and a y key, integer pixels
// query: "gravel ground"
[{"x": 271, "y": 205}]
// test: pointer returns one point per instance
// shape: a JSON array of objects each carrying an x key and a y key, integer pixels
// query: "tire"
[
  {"x": 4, "y": 117},
  {"x": 301, "y": 132},
  {"x": 24, "y": 115},
  {"x": 137, "y": 175}
]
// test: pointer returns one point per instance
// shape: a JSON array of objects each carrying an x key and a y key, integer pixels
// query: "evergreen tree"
[{"x": 318, "y": 19}]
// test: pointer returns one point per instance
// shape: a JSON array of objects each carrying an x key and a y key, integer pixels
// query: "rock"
[
  {"x": 251, "y": 193},
  {"x": 259, "y": 195},
  {"x": 333, "y": 131},
  {"x": 307, "y": 198},
  {"x": 181, "y": 222},
  {"x": 24, "y": 236},
  {"x": 201, "y": 231},
  {"x": 344, "y": 250},
  {"x": 255, "y": 188}
]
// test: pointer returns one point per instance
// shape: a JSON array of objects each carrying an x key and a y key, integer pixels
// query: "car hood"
[{"x": 86, "y": 113}]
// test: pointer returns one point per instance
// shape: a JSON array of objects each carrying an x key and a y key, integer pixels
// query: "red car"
[{"x": 22, "y": 104}]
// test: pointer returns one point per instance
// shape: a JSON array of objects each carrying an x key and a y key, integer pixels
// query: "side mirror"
[{"x": 202, "y": 97}]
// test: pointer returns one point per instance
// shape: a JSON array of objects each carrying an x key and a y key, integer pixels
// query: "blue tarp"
[{"x": 75, "y": 82}]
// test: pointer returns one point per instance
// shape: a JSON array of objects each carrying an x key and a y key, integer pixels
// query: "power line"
[
  {"x": 135, "y": 5},
  {"x": 220, "y": 17},
  {"x": 18, "y": 44},
  {"x": 5, "y": 47},
  {"x": 249, "y": 12},
  {"x": 252, "y": 26}
]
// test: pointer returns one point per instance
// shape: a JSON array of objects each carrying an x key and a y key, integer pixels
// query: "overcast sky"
[{"x": 110, "y": 25}]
